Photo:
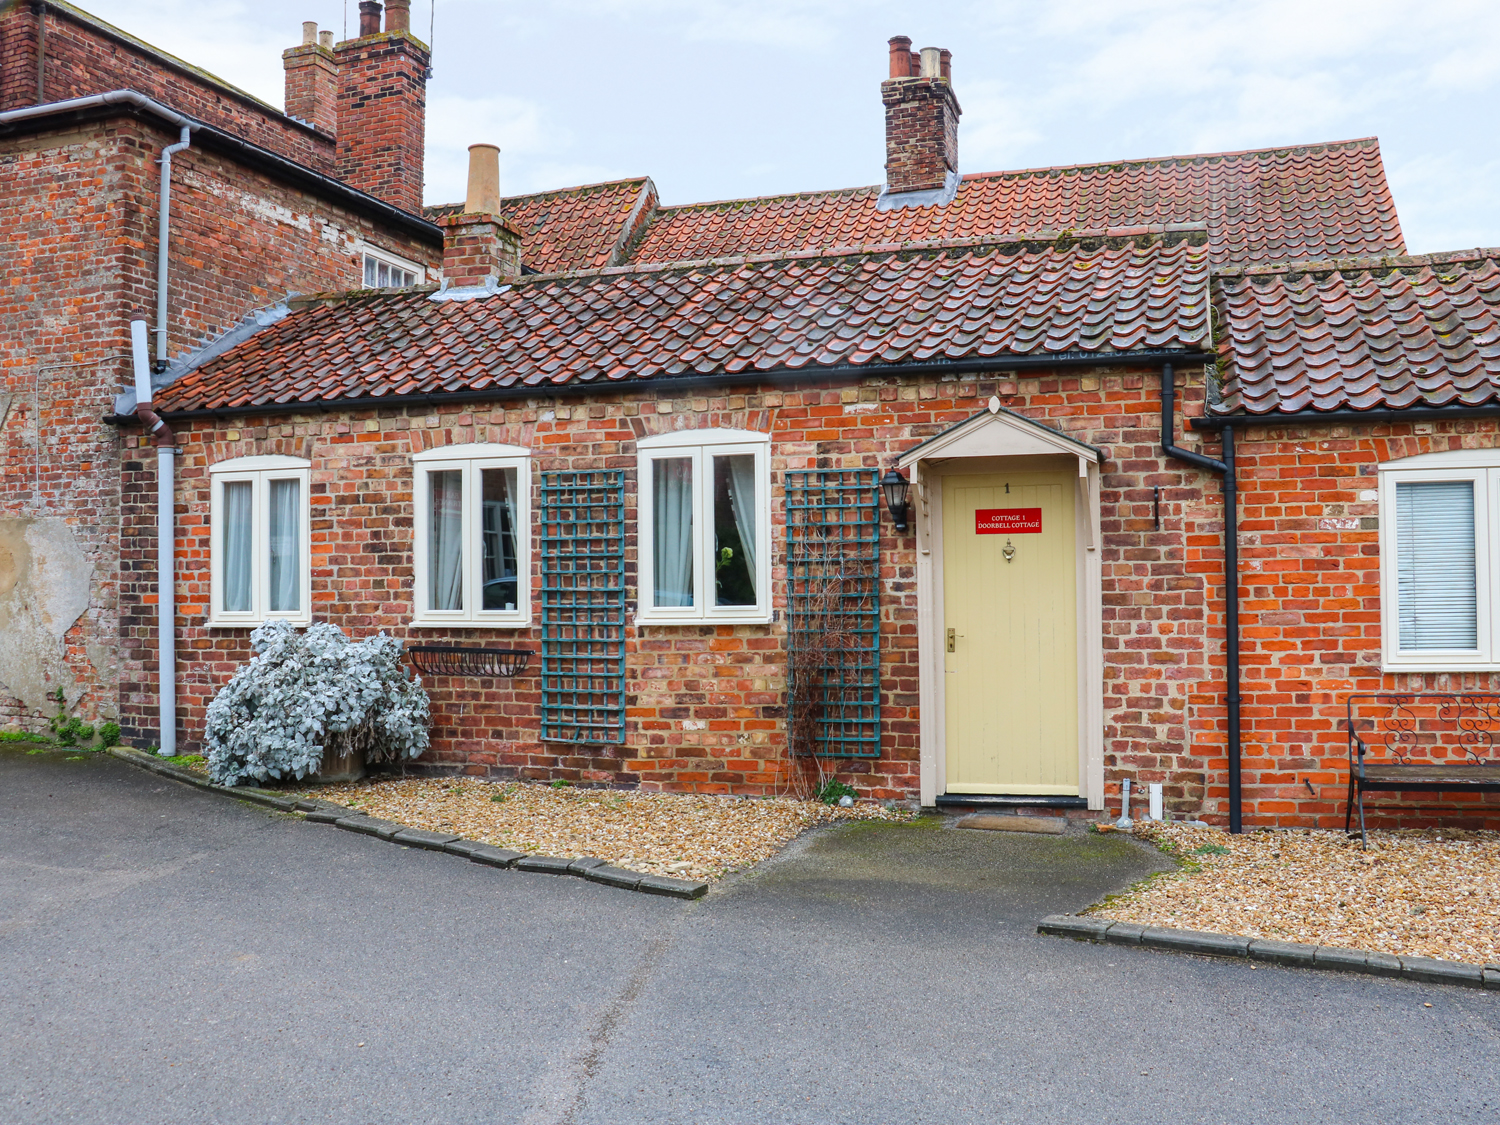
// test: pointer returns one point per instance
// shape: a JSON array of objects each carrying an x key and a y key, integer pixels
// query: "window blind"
[{"x": 1435, "y": 577}]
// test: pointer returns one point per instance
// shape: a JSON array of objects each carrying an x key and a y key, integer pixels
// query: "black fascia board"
[
  {"x": 252, "y": 156},
  {"x": 849, "y": 372}
]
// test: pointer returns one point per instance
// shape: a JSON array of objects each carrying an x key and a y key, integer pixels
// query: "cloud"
[{"x": 535, "y": 153}]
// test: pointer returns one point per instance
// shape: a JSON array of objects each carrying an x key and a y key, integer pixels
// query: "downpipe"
[
  {"x": 1226, "y": 471},
  {"x": 163, "y": 239},
  {"x": 166, "y": 586}
]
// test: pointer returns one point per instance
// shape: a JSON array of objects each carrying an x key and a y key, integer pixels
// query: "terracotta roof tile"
[
  {"x": 1362, "y": 334},
  {"x": 575, "y": 228},
  {"x": 636, "y": 323},
  {"x": 1267, "y": 205}
]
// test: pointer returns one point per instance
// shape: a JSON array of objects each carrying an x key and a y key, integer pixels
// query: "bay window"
[
  {"x": 1438, "y": 552},
  {"x": 705, "y": 527},
  {"x": 472, "y": 536},
  {"x": 258, "y": 528}
]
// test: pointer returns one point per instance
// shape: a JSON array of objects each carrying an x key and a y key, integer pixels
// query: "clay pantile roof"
[
  {"x": 577, "y": 228},
  {"x": 1266, "y": 205},
  {"x": 635, "y": 323},
  {"x": 1385, "y": 333}
]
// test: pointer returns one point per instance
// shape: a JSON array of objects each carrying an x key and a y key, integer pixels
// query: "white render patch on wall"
[{"x": 45, "y": 580}]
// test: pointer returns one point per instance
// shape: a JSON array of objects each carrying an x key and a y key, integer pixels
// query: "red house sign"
[{"x": 1007, "y": 521}]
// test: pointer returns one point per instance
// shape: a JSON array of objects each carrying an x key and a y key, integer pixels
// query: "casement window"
[
  {"x": 472, "y": 536},
  {"x": 705, "y": 527},
  {"x": 384, "y": 270},
  {"x": 259, "y": 526},
  {"x": 1440, "y": 561}
]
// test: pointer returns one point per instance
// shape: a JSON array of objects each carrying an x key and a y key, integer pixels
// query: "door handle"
[{"x": 952, "y": 640}]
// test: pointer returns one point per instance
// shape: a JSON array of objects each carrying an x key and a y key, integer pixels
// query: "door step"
[
  {"x": 995, "y": 822},
  {"x": 1006, "y": 801}
]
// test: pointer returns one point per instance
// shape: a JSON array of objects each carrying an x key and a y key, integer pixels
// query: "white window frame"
[
  {"x": 1481, "y": 467},
  {"x": 470, "y": 460},
  {"x": 395, "y": 261},
  {"x": 700, "y": 446},
  {"x": 259, "y": 471}
]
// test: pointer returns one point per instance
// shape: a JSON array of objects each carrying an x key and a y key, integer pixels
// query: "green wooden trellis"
[
  {"x": 833, "y": 612},
  {"x": 583, "y": 606}
]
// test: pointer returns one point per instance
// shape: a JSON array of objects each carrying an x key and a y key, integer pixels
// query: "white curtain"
[
  {"x": 499, "y": 553},
  {"x": 286, "y": 586},
  {"x": 445, "y": 566},
  {"x": 672, "y": 546},
  {"x": 237, "y": 545},
  {"x": 1437, "y": 593},
  {"x": 742, "y": 498}
]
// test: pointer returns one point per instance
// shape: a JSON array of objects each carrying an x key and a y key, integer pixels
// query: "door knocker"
[{"x": 1009, "y": 551}]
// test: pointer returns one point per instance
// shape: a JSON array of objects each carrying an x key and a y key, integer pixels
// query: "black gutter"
[
  {"x": 252, "y": 156},
  {"x": 1347, "y": 417},
  {"x": 678, "y": 384},
  {"x": 1225, "y": 469}
]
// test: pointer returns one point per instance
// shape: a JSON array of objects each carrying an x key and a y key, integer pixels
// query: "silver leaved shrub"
[{"x": 313, "y": 692}]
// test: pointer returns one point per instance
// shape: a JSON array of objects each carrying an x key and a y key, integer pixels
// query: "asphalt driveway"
[{"x": 169, "y": 955}]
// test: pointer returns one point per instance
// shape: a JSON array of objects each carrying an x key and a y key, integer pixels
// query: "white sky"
[{"x": 719, "y": 99}]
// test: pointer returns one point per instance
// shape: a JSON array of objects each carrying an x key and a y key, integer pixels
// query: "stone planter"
[{"x": 349, "y": 766}]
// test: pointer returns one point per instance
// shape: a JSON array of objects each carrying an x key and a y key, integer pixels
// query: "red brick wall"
[
  {"x": 1310, "y": 617},
  {"x": 921, "y": 132},
  {"x": 79, "y": 214},
  {"x": 82, "y": 61},
  {"x": 382, "y": 115},
  {"x": 73, "y": 209},
  {"x": 706, "y": 703}
]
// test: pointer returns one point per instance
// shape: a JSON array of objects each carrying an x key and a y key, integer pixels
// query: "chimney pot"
[
  {"x": 932, "y": 63},
  {"x": 398, "y": 15},
  {"x": 900, "y": 56},
  {"x": 309, "y": 32},
  {"x": 484, "y": 180},
  {"x": 325, "y": 39},
  {"x": 947, "y": 64},
  {"x": 369, "y": 17}
]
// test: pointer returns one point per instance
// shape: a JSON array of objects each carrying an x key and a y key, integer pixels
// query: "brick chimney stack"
[
  {"x": 479, "y": 244},
  {"x": 382, "y": 106},
  {"x": 921, "y": 119},
  {"x": 312, "y": 80}
]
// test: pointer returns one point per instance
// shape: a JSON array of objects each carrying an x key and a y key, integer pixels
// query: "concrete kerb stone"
[
  {"x": 1328, "y": 957},
  {"x": 324, "y": 812}
]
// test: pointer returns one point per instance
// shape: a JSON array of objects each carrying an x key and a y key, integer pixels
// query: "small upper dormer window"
[{"x": 384, "y": 270}]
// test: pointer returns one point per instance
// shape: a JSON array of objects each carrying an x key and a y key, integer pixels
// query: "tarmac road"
[{"x": 168, "y": 955}]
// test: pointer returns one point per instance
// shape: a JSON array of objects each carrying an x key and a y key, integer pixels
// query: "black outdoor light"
[{"x": 894, "y": 485}]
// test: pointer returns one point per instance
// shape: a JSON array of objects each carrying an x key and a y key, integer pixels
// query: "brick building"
[{"x": 647, "y": 444}]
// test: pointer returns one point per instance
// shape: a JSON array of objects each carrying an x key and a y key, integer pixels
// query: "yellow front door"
[{"x": 1010, "y": 598}]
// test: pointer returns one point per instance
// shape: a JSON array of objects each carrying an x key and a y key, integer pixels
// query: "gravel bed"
[
  {"x": 687, "y": 836},
  {"x": 1431, "y": 893}
]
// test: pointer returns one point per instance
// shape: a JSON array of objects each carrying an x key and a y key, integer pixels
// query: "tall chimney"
[
  {"x": 479, "y": 244},
  {"x": 312, "y": 80},
  {"x": 382, "y": 106},
  {"x": 921, "y": 120}
]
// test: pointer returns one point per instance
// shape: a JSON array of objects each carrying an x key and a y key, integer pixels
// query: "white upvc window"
[
  {"x": 259, "y": 530},
  {"x": 704, "y": 512},
  {"x": 1440, "y": 561},
  {"x": 472, "y": 564},
  {"x": 384, "y": 270}
]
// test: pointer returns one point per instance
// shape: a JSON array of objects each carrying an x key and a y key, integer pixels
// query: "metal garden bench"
[{"x": 1416, "y": 741}]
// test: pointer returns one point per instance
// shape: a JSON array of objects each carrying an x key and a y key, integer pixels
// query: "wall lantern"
[{"x": 894, "y": 485}]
